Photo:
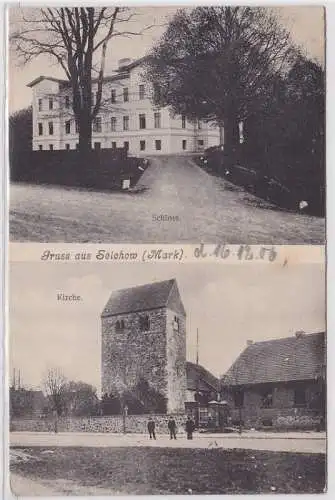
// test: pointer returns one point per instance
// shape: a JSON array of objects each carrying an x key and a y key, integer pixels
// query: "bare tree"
[
  {"x": 77, "y": 39},
  {"x": 216, "y": 63},
  {"x": 55, "y": 384}
]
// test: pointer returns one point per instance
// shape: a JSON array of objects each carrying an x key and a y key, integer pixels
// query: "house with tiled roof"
[{"x": 279, "y": 383}]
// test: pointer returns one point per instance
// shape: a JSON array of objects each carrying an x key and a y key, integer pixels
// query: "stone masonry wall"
[
  {"x": 176, "y": 362},
  {"x": 112, "y": 424},
  {"x": 131, "y": 353}
]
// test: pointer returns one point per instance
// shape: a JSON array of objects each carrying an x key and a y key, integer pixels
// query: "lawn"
[{"x": 174, "y": 471}]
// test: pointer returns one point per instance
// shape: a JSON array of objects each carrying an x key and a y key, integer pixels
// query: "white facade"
[{"x": 127, "y": 117}]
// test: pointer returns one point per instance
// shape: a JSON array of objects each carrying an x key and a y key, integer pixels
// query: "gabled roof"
[
  {"x": 198, "y": 378},
  {"x": 133, "y": 64},
  {"x": 42, "y": 77},
  {"x": 300, "y": 357},
  {"x": 142, "y": 298}
]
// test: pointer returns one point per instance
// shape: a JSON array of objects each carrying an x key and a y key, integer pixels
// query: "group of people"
[{"x": 172, "y": 428}]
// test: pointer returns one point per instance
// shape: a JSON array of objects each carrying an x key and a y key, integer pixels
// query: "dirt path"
[{"x": 202, "y": 207}]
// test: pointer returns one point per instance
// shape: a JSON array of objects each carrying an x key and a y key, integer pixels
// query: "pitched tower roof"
[{"x": 145, "y": 297}]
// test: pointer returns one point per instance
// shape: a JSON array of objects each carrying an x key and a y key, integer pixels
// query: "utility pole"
[{"x": 198, "y": 378}]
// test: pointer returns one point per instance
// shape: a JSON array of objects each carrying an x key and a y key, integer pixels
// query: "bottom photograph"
[{"x": 200, "y": 378}]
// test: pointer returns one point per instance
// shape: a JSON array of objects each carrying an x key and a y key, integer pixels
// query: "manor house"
[{"x": 127, "y": 117}]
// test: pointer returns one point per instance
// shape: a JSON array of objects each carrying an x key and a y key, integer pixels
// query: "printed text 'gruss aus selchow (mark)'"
[{"x": 198, "y": 253}]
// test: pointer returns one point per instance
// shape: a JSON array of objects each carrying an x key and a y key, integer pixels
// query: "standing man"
[
  {"x": 190, "y": 426},
  {"x": 172, "y": 428},
  {"x": 151, "y": 428}
]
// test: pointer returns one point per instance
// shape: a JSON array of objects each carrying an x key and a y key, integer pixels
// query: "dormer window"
[
  {"x": 176, "y": 324},
  {"x": 144, "y": 323}
]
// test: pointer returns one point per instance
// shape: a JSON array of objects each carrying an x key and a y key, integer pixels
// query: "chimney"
[
  {"x": 249, "y": 342},
  {"x": 124, "y": 62},
  {"x": 299, "y": 334}
]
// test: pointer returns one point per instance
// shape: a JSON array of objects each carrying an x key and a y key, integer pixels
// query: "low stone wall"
[
  {"x": 113, "y": 424},
  {"x": 281, "y": 419}
]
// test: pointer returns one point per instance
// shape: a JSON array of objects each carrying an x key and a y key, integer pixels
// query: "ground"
[
  {"x": 203, "y": 207},
  {"x": 149, "y": 470}
]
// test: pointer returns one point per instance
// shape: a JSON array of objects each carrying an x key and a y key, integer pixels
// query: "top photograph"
[{"x": 167, "y": 124}]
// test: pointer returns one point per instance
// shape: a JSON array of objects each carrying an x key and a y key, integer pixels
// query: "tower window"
[
  {"x": 176, "y": 324},
  {"x": 120, "y": 325},
  {"x": 144, "y": 323}
]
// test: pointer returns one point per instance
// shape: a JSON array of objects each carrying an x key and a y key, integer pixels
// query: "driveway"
[{"x": 174, "y": 201}]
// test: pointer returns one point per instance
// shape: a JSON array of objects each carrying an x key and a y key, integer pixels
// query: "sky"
[
  {"x": 306, "y": 25},
  {"x": 229, "y": 304}
]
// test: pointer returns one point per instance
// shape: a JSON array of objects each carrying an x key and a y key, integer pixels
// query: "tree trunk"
[
  {"x": 85, "y": 133},
  {"x": 231, "y": 134}
]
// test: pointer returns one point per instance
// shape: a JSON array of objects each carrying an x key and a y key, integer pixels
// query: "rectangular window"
[
  {"x": 184, "y": 144},
  {"x": 142, "y": 121},
  {"x": 176, "y": 324},
  {"x": 141, "y": 92},
  {"x": 200, "y": 142},
  {"x": 51, "y": 103},
  {"x": 67, "y": 147},
  {"x": 67, "y": 101},
  {"x": 157, "y": 93},
  {"x": 126, "y": 123},
  {"x": 68, "y": 127},
  {"x": 158, "y": 145},
  {"x": 113, "y": 145},
  {"x": 51, "y": 128},
  {"x": 97, "y": 124},
  {"x": 238, "y": 398},
  {"x": 142, "y": 145},
  {"x": 125, "y": 94},
  {"x": 113, "y": 124},
  {"x": 183, "y": 121},
  {"x": 40, "y": 147},
  {"x": 40, "y": 105},
  {"x": 97, "y": 145},
  {"x": 51, "y": 147},
  {"x": 157, "y": 120},
  {"x": 113, "y": 95},
  {"x": 126, "y": 145},
  {"x": 300, "y": 397},
  {"x": 266, "y": 398},
  {"x": 199, "y": 125},
  {"x": 40, "y": 129}
]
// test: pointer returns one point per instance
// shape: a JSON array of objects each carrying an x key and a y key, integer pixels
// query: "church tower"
[{"x": 144, "y": 337}]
